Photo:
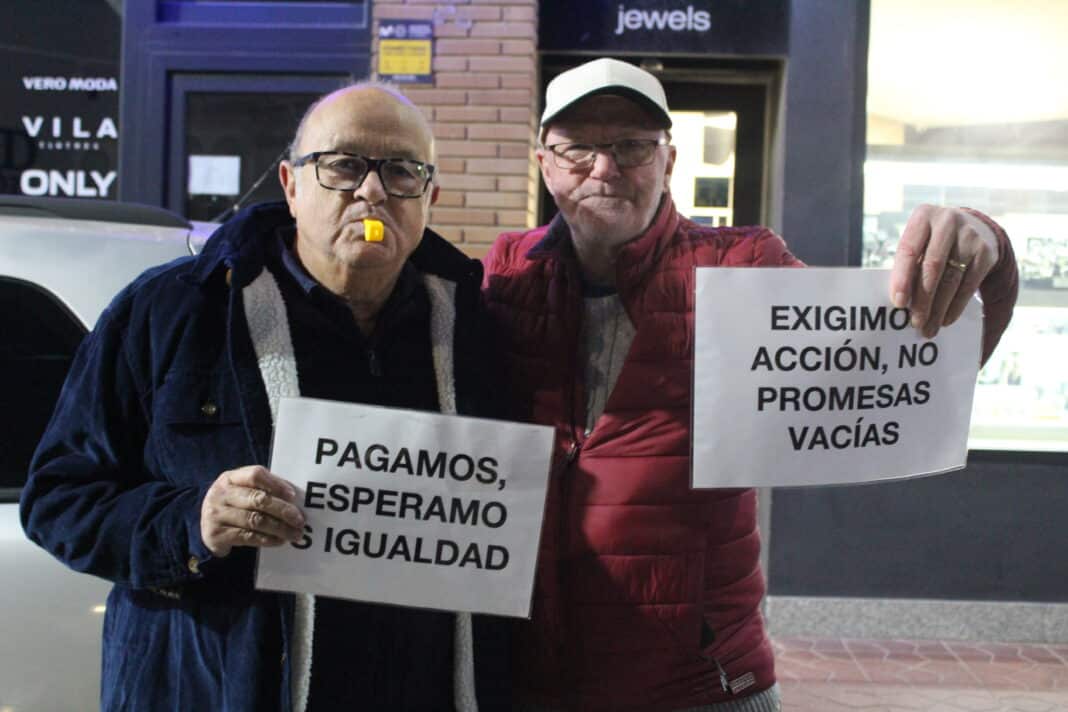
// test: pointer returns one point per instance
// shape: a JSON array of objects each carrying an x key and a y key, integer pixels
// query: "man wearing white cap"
[{"x": 648, "y": 593}]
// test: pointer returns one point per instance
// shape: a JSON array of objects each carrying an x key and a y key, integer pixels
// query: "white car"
[{"x": 61, "y": 262}]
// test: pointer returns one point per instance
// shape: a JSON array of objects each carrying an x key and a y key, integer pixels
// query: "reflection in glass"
[
  {"x": 229, "y": 146},
  {"x": 988, "y": 130},
  {"x": 702, "y": 183}
]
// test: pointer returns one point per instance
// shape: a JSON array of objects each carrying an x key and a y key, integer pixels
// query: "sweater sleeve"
[
  {"x": 770, "y": 250},
  {"x": 998, "y": 290},
  {"x": 90, "y": 500}
]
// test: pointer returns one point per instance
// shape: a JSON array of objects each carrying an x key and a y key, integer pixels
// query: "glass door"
[
  {"x": 229, "y": 132},
  {"x": 720, "y": 130}
]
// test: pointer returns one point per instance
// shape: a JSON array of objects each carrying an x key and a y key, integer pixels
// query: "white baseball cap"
[{"x": 606, "y": 76}]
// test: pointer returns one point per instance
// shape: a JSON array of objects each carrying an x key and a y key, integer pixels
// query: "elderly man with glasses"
[
  {"x": 648, "y": 593},
  {"x": 152, "y": 472}
]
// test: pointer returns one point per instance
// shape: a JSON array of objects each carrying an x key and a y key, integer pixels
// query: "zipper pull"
[
  {"x": 572, "y": 452},
  {"x": 723, "y": 681}
]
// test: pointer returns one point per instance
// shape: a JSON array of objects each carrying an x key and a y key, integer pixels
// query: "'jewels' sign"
[
  {"x": 738, "y": 27},
  {"x": 688, "y": 20}
]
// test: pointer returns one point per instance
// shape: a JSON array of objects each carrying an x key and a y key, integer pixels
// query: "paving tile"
[
  {"x": 866, "y": 649},
  {"x": 826, "y": 670},
  {"x": 1021, "y": 675},
  {"x": 830, "y": 675},
  {"x": 970, "y": 651},
  {"x": 1039, "y": 654},
  {"x": 823, "y": 697},
  {"x": 935, "y": 650}
]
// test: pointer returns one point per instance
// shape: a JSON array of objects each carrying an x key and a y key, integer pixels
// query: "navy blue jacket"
[{"x": 116, "y": 484}]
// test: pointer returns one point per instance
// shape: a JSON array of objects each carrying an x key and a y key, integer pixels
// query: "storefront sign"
[
  {"x": 728, "y": 27},
  {"x": 410, "y": 508},
  {"x": 59, "y": 99},
  {"x": 811, "y": 377},
  {"x": 405, "y": 52}
]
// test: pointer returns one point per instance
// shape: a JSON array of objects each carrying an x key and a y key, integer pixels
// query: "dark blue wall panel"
[
  {"x": 994, "y": 531},
  {"x": 162, "y": 40},
  {"x": 824, "y": 139}
]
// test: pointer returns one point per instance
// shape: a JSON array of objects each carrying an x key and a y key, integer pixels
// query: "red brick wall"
[{"x": 482, "y": 106}]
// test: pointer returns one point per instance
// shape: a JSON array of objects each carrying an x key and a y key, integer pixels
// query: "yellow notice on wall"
[{"x": 405, "y": 57}]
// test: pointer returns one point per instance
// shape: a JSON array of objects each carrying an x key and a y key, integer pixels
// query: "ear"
[
  {"x": 287, "y": 176},
  {"x": 434, "y": 194},
  {"x": 672, "y": 153},
  {"x": 543, "y": 164}
]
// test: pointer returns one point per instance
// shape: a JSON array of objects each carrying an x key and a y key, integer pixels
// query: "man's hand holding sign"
[
  {"x": 836, "y": 384},
  {"x": 601, "y": 302},
  {"x": 943, "y": 256},
  {"x": 249, "y": 506},
  {"x": 403, "y": 507}
]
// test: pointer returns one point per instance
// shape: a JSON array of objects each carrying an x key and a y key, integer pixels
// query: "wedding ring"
[{"x": 962, "y": 266}]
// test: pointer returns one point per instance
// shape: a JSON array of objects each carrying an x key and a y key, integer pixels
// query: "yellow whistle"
[{"x": 372, "y": 230}]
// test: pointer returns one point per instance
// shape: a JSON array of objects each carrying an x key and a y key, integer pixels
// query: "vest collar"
[{"x": 636, "y": 258}]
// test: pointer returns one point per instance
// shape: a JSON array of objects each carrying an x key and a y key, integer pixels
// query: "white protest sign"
[
  {"x": 811, "y": 377},
  {"x": 410, "y": 508}
]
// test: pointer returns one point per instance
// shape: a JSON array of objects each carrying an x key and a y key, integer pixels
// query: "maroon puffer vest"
[{"x": 646, "y": 589}]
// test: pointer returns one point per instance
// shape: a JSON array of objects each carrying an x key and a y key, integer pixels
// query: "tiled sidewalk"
[{"x": 833, "y": 675}]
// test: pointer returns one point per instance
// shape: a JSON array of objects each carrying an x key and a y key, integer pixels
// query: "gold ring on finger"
[{"x": 962, "y": 266}]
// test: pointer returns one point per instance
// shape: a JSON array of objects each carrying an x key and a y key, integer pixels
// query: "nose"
[
  {"x": 371, "y": 189},
  {"x": 604, "y": 166}
]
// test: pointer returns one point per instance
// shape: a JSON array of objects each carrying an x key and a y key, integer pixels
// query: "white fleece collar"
[{"x": 268, "y": 325}]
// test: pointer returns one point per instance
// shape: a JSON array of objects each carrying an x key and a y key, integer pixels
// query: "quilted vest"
[{"x": 647, "y": 593}]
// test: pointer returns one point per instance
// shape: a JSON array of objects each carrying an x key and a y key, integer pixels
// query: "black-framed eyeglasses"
[
  {"x": 337, "y": 170},
  {"x": 627, "y": 153}
]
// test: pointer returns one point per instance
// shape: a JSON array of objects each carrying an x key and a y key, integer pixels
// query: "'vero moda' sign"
[
  {"x": 410, "y": 508},
  {"x": 811, "y": 377},
  {"x": 59, "y": 84},
  {"x": 743, "y": 27}
]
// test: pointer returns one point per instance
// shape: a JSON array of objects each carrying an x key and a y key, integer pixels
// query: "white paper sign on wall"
[{"x": 214, "y": 175}]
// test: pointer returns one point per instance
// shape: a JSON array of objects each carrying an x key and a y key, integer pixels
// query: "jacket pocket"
[{"x": 197, "y": 428}]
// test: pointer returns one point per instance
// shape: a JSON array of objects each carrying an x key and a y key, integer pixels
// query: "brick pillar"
[{"x": 482, "y": 107}]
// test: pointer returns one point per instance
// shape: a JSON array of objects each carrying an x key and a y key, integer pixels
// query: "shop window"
[
  {"x": 40, "y": 338},
  {"x": 958, "y": 124},
  {"x": 229, "y": 158},
  {"x": 702, "y": 183}
]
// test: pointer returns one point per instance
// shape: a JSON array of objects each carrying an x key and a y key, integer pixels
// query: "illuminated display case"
[
  {"x": 987, "y": 130},
  {"x": 702, "y": 182}
]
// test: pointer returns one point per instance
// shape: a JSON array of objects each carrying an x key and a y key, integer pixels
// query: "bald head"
[
  {"x": 376, "y": 107},
  {"x": 373, "y": 122}
]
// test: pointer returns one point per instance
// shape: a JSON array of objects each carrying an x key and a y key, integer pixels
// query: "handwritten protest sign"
[
  {"x": 410, "y": 508},
  {"x": 811, "y": 377}
]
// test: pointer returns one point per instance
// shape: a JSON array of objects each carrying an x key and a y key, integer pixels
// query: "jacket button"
[
  {"x": 209, "y": 408},
  {"x": 193, "y": 564}
]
